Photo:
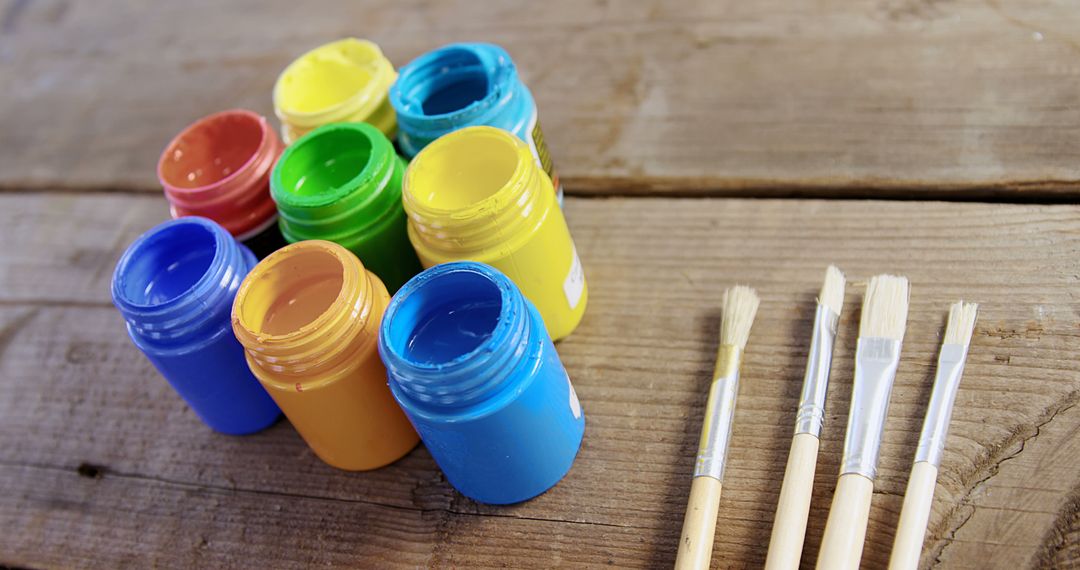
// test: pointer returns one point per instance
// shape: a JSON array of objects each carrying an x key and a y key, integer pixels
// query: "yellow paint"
[
  {"x": 343, "y": 81},
  {"x": 478, "y": 194},
  {"x": 308, "y": 316}
]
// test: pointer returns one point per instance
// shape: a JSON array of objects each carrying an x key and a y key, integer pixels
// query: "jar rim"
[
  {"x": 154, "y": 236},
  {"x": 379, "y": 165},
  {"x": 498, "y": 200},
  {"x": 349, "y": 281},
  {"x": 419, "y": 76},
  {"x": 206, "y": 122},
  {"x": 366, "y": 98},
  {"x": 490, "y": 372},
  {"x": 389, "y": 342}
]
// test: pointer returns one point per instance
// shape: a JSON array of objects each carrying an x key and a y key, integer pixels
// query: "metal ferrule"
[
  {"x": 719, "y": 413},
  {"x": 876, "y": 360},
  {"x": 950, "y": 367},
  {"x": 811, "y": 412}
]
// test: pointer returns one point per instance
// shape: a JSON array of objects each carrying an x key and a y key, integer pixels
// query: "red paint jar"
[{"x": 219, "y": 168}]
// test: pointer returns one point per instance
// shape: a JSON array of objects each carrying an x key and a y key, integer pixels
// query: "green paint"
[{"x": 342, "y": 183}]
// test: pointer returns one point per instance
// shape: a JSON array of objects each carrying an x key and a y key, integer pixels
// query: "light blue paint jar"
[
  {"x": 466, "y": 85},
  {"x": 175, "y": 287},
  {"x": 471, "y": 364}
]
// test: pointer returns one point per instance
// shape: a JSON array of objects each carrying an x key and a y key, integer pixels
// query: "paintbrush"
[
  {"x": 699, "y": 527},
  {"x": 877, "y": 355},
  {"x": 789, "y": 527},
  {"x": 920, "y": 488}
]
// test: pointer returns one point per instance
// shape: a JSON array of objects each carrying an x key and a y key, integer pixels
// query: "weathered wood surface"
[
  {"x": 102, "y": 465},
  {"x": 968, "y": 98}
]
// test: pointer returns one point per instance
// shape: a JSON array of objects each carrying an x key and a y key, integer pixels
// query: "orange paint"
[{"x": 308, "y": 316}]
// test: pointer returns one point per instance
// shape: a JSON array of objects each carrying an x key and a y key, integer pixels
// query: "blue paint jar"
[
  {"x": 466, "y": 85},
  {"x": 471, "y": 364},
  {"x": 175, "y": 286}
]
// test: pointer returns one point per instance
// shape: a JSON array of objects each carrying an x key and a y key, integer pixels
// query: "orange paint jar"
[{"x": 308, "y": 316}]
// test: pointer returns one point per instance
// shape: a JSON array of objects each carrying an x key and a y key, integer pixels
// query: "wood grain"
[
  {"x": 102, "y": 462},
  {"x": 904, "y": 98}
]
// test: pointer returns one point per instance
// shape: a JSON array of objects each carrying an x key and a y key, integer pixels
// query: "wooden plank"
[
  {"x": 865, "y": 98},
  {"x": 63, "y": 519},
  {"x": 78, "y": 395},
  {"x": 62, "y": 248},
  {"x": 1040, "y": 529}
]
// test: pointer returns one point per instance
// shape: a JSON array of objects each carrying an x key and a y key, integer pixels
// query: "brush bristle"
[
  {"x": 885, "y": 308},
  {"x": 832, "y": 291},
  {"x": 961, "y": 323},
  {"x": 740, "y": 307}
]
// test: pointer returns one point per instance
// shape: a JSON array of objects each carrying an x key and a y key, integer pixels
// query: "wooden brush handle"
[
  {"x": 789, "y": 527},
  {"x": 913, "y": 517},
  {"x": 841, "y": 547},
  {"x": 699, "y": 525}
]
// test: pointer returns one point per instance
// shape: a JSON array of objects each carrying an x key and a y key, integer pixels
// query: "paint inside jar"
[
  {"x": 212, "y": 151},
  {"x": 457, "y": 90},
  {"x": 328, "y": 162},
  {"x": 161, "y": 271},
  {"x": 286, "y": 301},
  {"x": 456, "y": 176},
  {"x": 459, "y": 323}
]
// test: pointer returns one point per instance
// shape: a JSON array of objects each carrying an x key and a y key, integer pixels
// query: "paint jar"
[
  {"x": 465, "y": 85},
  {"x": 309, "y": 317},
  {"x": 219, "y": 168},
  {"x": 342, "y": 81},
  {"x": 342, "y": 183},
  {"x": 470, "y": 363},
  {"x": 175, "y": 286},
  {"x": 477, "y": 194}
]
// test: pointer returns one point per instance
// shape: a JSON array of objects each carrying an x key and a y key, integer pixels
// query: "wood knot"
[{"x": 90, "y": 471}]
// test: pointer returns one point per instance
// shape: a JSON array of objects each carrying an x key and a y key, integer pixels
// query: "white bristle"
[
  {"x": 832, "y": 291},
  {"x": 885, "y": 308},
  {"x": 740, "y": 306},
  {"x": 961, "y": 323}
]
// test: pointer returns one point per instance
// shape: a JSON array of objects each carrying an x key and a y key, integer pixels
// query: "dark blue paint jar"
[
  {"x": 175, "y": 287},
  {"x": 466, "y": 85},
  {"x": 472, "y": 365}
]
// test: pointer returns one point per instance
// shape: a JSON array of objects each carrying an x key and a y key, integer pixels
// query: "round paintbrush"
[{"x": 699, "y": 527}]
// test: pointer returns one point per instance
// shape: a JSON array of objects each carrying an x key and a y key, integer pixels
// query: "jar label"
[
  {"x": 575, "y": 405},
  {"x": 574, "y": 285},
  {"x": 543, "y": 157}
]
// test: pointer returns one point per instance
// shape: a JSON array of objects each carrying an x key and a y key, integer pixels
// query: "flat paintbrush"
[
  {"x": 699, "y": 527},
  {"x": 789, "y": 526},
  {"x": 877, "y": 355},
  {"x": 920, "y": 488}
]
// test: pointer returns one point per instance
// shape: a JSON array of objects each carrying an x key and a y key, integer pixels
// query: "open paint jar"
[
  {"x": 477, "y": 194},
  {"x": 219, "y": 168},
  {"x": 309, "y": 318},
  {"x": 472, "y": 366}
]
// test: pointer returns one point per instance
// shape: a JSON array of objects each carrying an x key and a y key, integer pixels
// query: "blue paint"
[
  {"x": 465, "y": 85},
  {"x": 451, "y": 331},
  {"x": 175, "y": 287},
  {"x": 470, "y": 362}
]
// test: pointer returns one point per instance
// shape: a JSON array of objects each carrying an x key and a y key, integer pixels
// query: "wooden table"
[{"x": 702, "y": 145}]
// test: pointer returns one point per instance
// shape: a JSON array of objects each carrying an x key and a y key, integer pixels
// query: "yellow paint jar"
[
  {"x": 478, "y": 194},
  {"x": 308, "y": 317},
  {"x": 346, "y": 81}
]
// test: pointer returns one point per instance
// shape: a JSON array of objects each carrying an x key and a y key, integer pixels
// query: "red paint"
[{"x": 219, "y": 168}]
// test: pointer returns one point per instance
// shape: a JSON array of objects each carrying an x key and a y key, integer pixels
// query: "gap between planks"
[{"x": 1003, "y": 192}]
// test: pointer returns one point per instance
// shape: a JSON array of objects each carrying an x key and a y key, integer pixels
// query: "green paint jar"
[{"x": 342, "y": 183}]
